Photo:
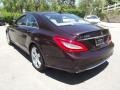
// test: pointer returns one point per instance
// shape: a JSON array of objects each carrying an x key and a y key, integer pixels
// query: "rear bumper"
[
  {"x": 88, "y": 64},
  {"x": 91, "y": 59},
  {"x": 79, "y": 62}
]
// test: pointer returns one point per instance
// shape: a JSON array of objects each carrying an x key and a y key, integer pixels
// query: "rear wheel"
[
  {"x": 37, "y": 59},
  {"x": 8, "y": 39}
]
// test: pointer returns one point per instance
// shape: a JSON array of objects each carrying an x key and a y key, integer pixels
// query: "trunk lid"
[
  {"x": 96, "y": 39},
  {"x": 93, "y": 36}
]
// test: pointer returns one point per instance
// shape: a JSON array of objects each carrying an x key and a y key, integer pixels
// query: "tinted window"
[
  {"x": 92, "y": 17},
  {"x": 22, "y": 21},
  {"x": 31, "y": 21}
]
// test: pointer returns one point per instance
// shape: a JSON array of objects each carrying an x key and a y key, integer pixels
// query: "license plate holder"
[{"x": 99, "y": 41}]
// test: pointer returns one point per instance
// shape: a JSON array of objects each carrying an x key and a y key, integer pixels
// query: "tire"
[
  {"x": 37, "y": 59},
  {"x": 8, "y": 39}
]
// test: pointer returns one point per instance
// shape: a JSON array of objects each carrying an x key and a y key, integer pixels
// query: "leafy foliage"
[
  {"x": 8, "y": 16},
  {"x": 14, "y": 8}
]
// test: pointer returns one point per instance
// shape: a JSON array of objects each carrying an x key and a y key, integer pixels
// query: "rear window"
[{"x": 65, "y": 19}]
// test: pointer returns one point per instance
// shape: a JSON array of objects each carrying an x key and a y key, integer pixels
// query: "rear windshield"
[{"x": 65, "y": 19}]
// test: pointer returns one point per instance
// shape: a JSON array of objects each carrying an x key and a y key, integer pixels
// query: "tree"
[
  {"x": 66, "y": 2},
  {"x": 110, "y": 2},
  {"x": 92, "y": 6}
]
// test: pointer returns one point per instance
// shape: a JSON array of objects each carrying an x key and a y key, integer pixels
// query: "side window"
[
  {"x": 21, "y": 21},
  {"x": 31, "y": 21}
]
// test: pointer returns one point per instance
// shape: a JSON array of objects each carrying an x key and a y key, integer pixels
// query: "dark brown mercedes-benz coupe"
[{"x": 61, "y": 40}]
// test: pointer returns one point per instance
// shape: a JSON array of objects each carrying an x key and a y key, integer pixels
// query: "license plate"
[{"x": 99, "y": 41}]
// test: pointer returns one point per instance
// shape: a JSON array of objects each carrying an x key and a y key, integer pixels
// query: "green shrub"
[
  {"x": 72, "y": 11},
  {"x": 76, "y": 12},
  {"x": 8, "y": 17}
]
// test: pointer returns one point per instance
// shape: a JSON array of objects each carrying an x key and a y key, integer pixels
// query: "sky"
[
  {"x": 1, "y": 4},
  {"x": 77, "y": 2}
]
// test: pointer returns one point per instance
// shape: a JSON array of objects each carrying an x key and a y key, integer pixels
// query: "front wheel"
[{"x": 37, "y": 59}]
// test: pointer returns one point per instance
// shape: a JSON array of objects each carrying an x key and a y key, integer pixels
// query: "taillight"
[{"x": 69, "y": 45}]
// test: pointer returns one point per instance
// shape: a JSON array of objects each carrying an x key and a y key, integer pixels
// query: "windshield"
[
  {"x": 92, "y": 17},
  {"x": 65, "y": 19}
]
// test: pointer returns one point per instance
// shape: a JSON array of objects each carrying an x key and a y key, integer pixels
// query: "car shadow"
[
  {"x": 73, "y": 79},
  {"x": 66, "y": 77},
  {"x": 21, "y": 52}
]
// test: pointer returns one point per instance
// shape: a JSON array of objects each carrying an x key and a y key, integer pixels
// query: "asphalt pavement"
[{"x": 17, "y": 73}]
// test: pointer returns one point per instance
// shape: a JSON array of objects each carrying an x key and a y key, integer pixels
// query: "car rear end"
[
  {"x": 88, "y": 50},
  {"x": 100, "y": 47}
]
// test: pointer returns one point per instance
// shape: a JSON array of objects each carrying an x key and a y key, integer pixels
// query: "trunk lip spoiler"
[{"x": 95, "y": 37}]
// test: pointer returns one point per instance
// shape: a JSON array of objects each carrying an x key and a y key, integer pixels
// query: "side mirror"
[{"x": 12, "y": 22}]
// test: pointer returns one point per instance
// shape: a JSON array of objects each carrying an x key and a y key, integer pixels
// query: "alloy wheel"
[{"x": 35, "y": 56}]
